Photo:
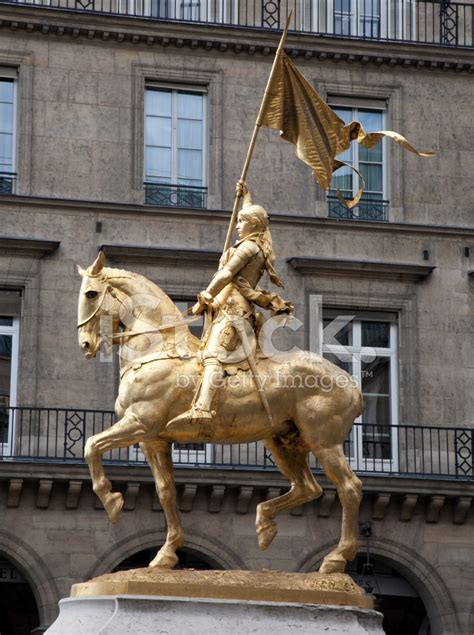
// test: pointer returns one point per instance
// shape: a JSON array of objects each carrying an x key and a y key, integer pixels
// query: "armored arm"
[{"x": 243, "y": 253}]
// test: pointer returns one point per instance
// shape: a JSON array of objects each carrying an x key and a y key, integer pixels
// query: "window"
[
  {"x": 365, "y": 345},
  {"x": 372, "y": 19},
  {"x": 217, "y": 11},
  {"x": 7, "y": 134},
  {"x": 370, "y": 163},
  {"x": 175, "y": 147},
  {"x": 9, "y": 331}
]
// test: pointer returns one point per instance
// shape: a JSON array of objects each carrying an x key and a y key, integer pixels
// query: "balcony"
[
  {"x": 429, "y": 22},
  {"x": 7, "y": 183},
  {"x": 368, "y": 209},
  {"x": 58, "y": 436},
  {"x": 163, "y": 195}
]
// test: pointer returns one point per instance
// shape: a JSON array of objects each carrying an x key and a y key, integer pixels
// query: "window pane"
[
  {"x": 158, "y": 131},
  {"x": 158, "y": 102},
  {"x": 376, "y": 377},
  {"x": 337, "y": 331},
  {"x": 342, "y": 179},
  {"x": 341, "y": 361},
  {"x": 6, "y": 151},
  {"x": 6, "y": 91},
  {"x": 372, "y": 120},
  {"x": 342, "y": 5},
  {"x": 190, "y": 134},
  {"x": 6, "y": 321},
  {"x": 158, "y": 162},
  {"x": 374, "y": 155},
  {"x": 6, "y": 117},
  {"x": 376, "y": 334},
  {"x": 190, "y": 105},
  {"x": 373, "y": 177},
  {"x": 190, "y": 164}
]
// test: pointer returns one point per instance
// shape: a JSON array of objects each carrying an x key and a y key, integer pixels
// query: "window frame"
[
  {"x": 357, "y": 104},
  {"x": 14, "y": 331},
  {"x": 11, "y": 79},
  {"x": 354, "y": 352},
  {"x": 175, "y": 89}
]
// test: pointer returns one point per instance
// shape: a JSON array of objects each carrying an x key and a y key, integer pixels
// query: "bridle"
[{"x": 128, "y": 334}]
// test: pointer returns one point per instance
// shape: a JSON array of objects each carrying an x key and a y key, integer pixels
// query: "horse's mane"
[{"x": 127, "y": 280}]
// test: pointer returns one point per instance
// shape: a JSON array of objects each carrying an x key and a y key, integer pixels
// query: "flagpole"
[{"x": 253, "y": 140}]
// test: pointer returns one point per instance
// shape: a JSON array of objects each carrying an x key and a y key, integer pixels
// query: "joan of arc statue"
[{"x": 231, "y": 297}]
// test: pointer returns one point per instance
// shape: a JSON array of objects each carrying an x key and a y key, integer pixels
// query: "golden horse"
[{"x": 314, "y": 415}]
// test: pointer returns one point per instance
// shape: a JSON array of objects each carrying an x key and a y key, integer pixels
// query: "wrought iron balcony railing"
[
  {"x": 164, "y": 195},
  {"x": 57, "y": 435},
  {"x": 434, "y": 22},
  {"x": 7, "y": 183},
  {"x": 367, "y": 209}
]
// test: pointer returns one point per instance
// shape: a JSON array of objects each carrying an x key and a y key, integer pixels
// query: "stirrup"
[{"x": 193, "y": 415}]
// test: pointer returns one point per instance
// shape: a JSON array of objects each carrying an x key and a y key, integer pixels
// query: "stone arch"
[
  {"x": 37, "y": 574},
  {"x": 418, "y": 571},
  {"x": 213, "y": 550}
]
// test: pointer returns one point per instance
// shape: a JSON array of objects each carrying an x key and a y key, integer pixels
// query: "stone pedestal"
[
  {"x": 146, "y": 615},
  {"x": 157, "y": 602}
]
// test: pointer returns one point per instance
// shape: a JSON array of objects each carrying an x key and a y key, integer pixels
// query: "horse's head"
[{"x": 95, "y": 301}]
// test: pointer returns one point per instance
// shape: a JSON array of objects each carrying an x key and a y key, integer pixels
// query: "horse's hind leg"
[
  {"x": 292, "y": 461},
  {"x": 159, "y": 458},
  {"x": 122, "y": 434},
  {"x": 349, "y": 489}
]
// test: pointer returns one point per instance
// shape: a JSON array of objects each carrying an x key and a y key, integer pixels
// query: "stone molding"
[
  {"x": 165, "y": 256},
  {"x": 30, "y": 247},
  {"x": 103, "y": 209},
  {"x": 361, "y": 268},
  {"x": 239, "y": 489},
  {"x": 148, "y": 33}
]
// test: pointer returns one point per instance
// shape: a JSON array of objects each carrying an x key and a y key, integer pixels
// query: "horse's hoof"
[
  {"x": 164, "y": 561},
  {"x": 266, "y": 532},
  {"x": 333, "y": 564},
  {"x": 113, "y": 506}
]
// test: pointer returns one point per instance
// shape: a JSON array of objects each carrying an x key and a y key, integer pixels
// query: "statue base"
[{"x": 145, "y": 601}]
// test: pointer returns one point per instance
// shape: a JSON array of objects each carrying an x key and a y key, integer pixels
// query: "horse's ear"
[
  {"x": 98, "y": 265},
  {"x": 80, "y": 270}
]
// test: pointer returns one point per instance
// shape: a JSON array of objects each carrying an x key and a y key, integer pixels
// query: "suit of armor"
[{"x": 229, "y": 300}]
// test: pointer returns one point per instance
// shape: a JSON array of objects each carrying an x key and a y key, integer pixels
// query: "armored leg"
[{"x": 201, "y": 410}]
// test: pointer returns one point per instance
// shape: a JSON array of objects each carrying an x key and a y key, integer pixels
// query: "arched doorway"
[
  {"x": 18, "y": 609},
  {"x": 188, "y": 559},
  {"x": 400, "y": 604}
]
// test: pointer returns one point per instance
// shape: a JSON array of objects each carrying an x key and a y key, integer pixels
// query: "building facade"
[{"x": 124, "y": 126}]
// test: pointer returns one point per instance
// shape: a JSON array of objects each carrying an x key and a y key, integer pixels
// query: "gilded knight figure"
[{"x": 230, "y": 301}]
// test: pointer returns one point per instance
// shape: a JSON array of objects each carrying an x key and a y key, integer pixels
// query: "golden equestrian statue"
[{"x": 312, "y": 413}]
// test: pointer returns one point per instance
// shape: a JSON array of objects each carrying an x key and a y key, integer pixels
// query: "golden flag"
[{"x": 293, "y": 106}]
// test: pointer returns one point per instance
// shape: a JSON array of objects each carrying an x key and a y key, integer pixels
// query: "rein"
[{"x": 127, "y": 334}]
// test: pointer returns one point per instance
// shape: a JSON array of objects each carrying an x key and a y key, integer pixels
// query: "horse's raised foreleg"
[
  {"x": 158, "y": 455},
  {"x": 292, "y": 461},
  {"x": 349, "y": 489},
  {"x": 124, "y": 433}
]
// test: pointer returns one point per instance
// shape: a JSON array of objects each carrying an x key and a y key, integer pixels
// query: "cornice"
[
  {"x": 149, "y": 33},
  {"x": 361, "y": 269},
  {"x": 30, "y": 247},
  {"x": 170, "y": 256},
  {"x": 404, "y": 495},
  {"x": 105, "y": 208}
]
